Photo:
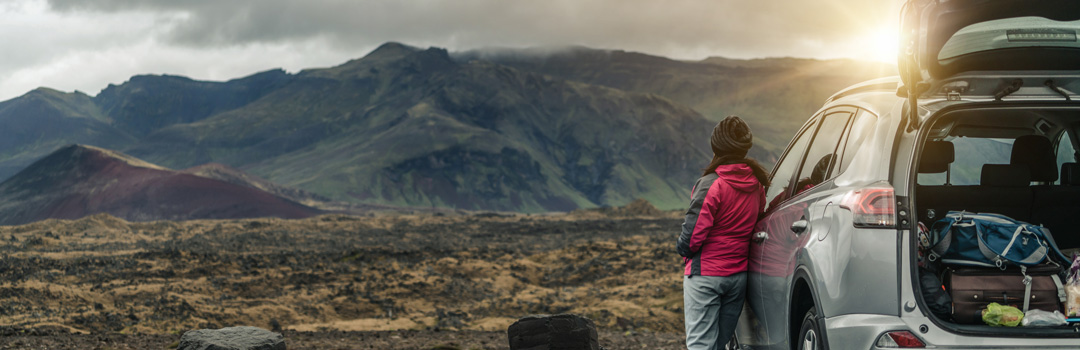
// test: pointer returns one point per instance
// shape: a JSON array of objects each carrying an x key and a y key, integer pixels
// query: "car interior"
[{"x": 1021, "y": 164}]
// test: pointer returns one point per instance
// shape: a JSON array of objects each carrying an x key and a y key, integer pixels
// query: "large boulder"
[
  {"x": 553, "y": 332},
  {"x": 232, "y": 338}
]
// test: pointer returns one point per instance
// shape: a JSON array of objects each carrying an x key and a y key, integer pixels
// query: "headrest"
[
  {"x": 936, "y": 156},
  {"x": 1005, "y": 175},
  {"x": 1035, "y": 152},
  {"x": 1070, "y": 174}
]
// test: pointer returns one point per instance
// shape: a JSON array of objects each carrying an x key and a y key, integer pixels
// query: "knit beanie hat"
[{"x": 731, "y": 137}]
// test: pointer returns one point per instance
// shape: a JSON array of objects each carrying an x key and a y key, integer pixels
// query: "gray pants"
[{"x": 712, "y": 305}]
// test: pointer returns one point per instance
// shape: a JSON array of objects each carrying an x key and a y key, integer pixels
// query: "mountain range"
[
  {"x": 517, "y": 130},
  {"x": 774, "y": 95}
]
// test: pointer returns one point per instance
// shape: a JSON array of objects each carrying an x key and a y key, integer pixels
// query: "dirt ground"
[
  {"x": 331, "y": 340},
  {"x": 401, "y": 281}
]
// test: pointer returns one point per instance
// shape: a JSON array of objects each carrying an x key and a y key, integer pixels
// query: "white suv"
[{"x": 984, "y": 118}]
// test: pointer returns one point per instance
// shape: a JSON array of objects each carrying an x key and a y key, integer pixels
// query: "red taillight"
[
  {"x": 899, "y": 339},
  {"x": 872, "y": 206}
]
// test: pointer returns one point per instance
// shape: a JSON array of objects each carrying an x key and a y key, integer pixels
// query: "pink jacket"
[{"x": 724, "y": 207}]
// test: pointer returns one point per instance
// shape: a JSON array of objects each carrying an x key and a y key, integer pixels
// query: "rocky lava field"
[{"x": 390, "y": 281}]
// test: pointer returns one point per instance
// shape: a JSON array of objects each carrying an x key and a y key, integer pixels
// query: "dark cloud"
[
  {"x": 730, "y": 27},
  {"x": 86, "y": 44}
]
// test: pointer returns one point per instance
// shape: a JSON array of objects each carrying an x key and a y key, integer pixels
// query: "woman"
[{"x": 715, "y": 239}]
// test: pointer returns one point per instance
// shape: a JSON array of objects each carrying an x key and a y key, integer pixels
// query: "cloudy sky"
[{"x": 87, "y": 44}]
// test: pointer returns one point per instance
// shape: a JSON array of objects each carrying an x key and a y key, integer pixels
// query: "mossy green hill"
[
  {"x": 413, "y": 127},
  {"x": 44, "y": 120},
  {"x": 405, "y": 126},
  {"x": 775, "y": 95}
]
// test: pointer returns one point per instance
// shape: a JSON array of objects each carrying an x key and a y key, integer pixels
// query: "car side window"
[
  {"x": 861, "y": 128},
  {"x": 822, "y": 153},
  {"x": 785, "y": 168}
]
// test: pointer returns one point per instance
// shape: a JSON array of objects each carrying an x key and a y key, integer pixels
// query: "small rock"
[
  {"x": 545, "y": 332},
  {"x": 275, "y": 326},
  {"x": 232, "y": 338}
]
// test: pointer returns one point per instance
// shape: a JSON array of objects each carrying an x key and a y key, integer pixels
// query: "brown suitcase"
[{"x": 972, "y": 288}]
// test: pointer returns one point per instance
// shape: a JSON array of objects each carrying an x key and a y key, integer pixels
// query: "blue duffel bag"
[{"x": 985, "y": 239}]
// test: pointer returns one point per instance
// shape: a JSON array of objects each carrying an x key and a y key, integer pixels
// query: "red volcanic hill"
[
  {"x": 218, "y": 171},
  {"x": 78, "y": 180}
]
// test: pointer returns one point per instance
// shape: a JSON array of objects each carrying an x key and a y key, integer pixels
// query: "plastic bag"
[
  {"x": 1072, "y": 306},
  {"x": 998, "y": 315},
  {"x": 1040, "y": 318},
  {"x": 1072, "y": 289}
]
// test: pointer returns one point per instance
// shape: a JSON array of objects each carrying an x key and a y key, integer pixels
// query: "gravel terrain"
[
  {"x": 401, "y": 281},
  {"x": 330, "y": 340}
]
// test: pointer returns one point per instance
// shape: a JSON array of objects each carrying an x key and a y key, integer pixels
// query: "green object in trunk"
[{"x": 1002, "y": 316}]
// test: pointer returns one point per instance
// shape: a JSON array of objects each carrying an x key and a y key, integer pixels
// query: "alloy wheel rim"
[{"x": 810, "y": 340}]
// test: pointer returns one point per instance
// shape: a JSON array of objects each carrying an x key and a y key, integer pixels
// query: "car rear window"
[
  {"x": 971, "y": 154},
  {"x": 1011, "y": 33}
]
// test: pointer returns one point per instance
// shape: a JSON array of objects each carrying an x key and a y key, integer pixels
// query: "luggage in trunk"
[{"x": 972, "y": 288}]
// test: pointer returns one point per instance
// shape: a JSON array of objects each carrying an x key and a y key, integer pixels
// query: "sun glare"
[{"x": 880, "y": 45}]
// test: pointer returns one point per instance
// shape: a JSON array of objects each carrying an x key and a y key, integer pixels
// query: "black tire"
[{"x": 810, "y": 332}]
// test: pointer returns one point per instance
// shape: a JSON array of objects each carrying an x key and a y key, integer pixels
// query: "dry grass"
[{"x": 380, "y": 273}]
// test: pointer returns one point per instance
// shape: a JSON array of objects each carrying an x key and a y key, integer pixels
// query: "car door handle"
[
  {"x": 761, "y": 236},
  {"x": 799, "y": 226}
]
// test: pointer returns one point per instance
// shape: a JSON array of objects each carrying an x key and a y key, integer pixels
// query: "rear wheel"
[{"x": 810, "y": 333}]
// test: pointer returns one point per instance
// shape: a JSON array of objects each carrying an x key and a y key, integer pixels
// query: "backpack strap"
[
  {"x": 944, "y": 241},
  {"x": 1015, "y": 235},
  {"x": 1060, "y": 288},
  {"x": 1001, "y": 260},
  {"x": 1027, "y": 288}
]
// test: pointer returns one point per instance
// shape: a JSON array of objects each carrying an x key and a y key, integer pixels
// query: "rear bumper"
[{"x": 861, "y": 331}]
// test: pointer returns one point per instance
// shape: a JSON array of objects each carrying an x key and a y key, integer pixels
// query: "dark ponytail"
[{"x": 759, "y": 170}]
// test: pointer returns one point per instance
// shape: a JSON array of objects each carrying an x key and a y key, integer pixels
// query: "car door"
[
  {"x": 759, "y": 300},
  {"x": 786, "y": 220}
]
